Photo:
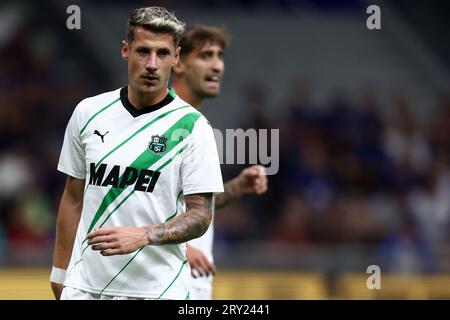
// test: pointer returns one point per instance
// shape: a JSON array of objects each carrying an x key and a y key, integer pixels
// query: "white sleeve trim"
[
  {"x": 214, "y": 189},
  {"x": 71, "y": 172}
]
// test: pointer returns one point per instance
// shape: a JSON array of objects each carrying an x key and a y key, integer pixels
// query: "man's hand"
[
  {"x": 252, "y": 180},
  {"x": 57, "y": 289},
  {"x": 117, "y": 240},
  {"x": 200, "y": 265}
]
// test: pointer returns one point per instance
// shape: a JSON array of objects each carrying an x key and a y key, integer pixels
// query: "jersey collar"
[{"x": 147, "y": 109}]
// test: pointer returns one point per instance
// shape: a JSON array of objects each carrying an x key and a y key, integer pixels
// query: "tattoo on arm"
[
  {"x": 191, "y": 224},
  {"x": 231, "y": 193}
]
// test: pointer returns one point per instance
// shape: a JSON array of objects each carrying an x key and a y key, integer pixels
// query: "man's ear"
[
  {"x": 177, "y": 54},
  {"x": 179, "y": 67},
  {"x": 125, "y": 50}
]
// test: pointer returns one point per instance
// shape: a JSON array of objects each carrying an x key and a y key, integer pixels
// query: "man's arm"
[
  {"x": 193, "y": 223},
  {"x": 251, "y": 180},
  {"x": 66, "y": 226}
]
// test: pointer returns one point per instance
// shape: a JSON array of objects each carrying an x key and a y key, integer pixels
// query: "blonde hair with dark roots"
[
  {"x": 198, "y": 35},
  {"x": 156, "y": 19}
]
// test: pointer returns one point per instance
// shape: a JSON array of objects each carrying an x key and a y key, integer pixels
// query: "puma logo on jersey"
[
  {"x": 143, "y": 179},
  {"x": 102, "y": 136}
]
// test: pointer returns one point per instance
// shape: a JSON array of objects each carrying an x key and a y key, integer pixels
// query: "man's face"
[
  {"x": 204, "y": 69},
  {"x": 150, "y": 58}
]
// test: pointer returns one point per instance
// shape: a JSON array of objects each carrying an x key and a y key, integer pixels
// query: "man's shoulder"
[
  {"x": 98, "y": 102},
  {"x": 180, "y": 102},
  {"x": 189, "y": 108}
]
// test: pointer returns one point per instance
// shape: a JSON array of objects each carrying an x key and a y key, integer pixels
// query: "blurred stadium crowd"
[
  {"x": 39, "y": 88},
  {"x": 354, "y": 173},
  {"x": 366, "y": 173}
]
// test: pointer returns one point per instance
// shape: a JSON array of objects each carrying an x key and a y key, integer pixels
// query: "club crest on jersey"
[{"x": 158, "y": 144}]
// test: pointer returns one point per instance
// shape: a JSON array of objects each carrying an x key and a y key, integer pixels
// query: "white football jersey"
[{"x": 138, "y": 165}]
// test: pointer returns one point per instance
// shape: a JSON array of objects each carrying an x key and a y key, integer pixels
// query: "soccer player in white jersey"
[
  {"x": 135, "y": 157},
  {"x": 198, "y": 75}
]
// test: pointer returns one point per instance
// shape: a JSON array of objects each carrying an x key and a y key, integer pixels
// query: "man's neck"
[
  {"x": 140, "y": 101},
  {"x": 183, "y": 91}
]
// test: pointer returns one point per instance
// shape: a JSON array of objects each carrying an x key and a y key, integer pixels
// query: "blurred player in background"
[
  {"x": 120, "y": 225},
  {"x": 198, "y": 75}
]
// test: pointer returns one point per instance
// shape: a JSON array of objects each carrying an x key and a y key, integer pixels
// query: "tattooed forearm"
[
  {"x": 191, "y": 224},
  {"x": 231, "y": 193}
]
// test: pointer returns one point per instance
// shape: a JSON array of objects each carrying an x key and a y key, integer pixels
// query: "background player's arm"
[
  {"x": 66, "y": 226},
  {"x": 251, "y": 180},
  {"x": 191, "y": 224}
]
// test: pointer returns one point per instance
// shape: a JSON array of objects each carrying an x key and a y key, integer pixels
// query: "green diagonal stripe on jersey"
[
  {"x": 138, "y": 131},
  {"x": 132, "y": 192},
  {"x": 176, "y": 277},
  {"x": 129, "y": 261},
  {"x": 97, "y": 113},
  {"x": 145, "y": 160},
  {"x": 134, "y": 134},
  {"x": 132, "y": 258}
]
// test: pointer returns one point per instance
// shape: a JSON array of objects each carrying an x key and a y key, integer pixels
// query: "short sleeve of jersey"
[
  {"x": 72, "y": 158},
  {"x": 200, "y": 169}
]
